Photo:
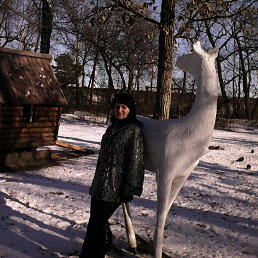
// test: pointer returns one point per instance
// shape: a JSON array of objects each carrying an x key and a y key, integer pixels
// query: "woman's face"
[{"x": 121, "y": 111}]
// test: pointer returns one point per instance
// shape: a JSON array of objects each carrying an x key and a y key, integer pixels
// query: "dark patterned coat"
[{"x": 120, "y": 168}]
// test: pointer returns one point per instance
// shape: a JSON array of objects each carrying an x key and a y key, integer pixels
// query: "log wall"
[{"x": 16, "y": 132}]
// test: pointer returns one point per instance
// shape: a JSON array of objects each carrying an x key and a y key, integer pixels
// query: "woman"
[{"x": 119, "y": 174}]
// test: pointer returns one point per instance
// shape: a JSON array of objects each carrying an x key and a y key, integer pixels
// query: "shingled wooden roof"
[{"x": 27, "y": 78}]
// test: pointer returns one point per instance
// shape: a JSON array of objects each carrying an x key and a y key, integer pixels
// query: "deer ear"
[
  {"x": 197, "y": 46},
  {"x": 213, "y": 52}
]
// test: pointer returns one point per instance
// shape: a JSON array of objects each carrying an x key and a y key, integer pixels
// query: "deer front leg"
[
  {"x": 164, "y": 186},
  {"x": 158, "y": 235}
]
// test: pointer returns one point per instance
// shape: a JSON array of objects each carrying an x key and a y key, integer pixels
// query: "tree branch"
[{"x": 140, "y": 15}]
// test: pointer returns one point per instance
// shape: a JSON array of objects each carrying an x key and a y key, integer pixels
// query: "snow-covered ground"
[{"x": 44, "y": 211}]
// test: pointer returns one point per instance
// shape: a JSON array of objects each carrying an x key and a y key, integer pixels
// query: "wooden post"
[
  {"x": 129, "y": 228},
  {"x": 74, "y": 147}
]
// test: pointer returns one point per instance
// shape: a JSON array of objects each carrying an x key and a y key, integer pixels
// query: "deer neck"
[
  {"x": 207, "y": 93},
  {"x": 199, "y": 123}
]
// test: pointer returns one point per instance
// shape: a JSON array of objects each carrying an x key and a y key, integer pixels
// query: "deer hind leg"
[
  {"x": 178, "y": 183},
  {"x": 176, "y": 186}
]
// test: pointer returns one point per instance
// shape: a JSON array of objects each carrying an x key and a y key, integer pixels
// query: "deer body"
[{"x": 174, "y": 146}]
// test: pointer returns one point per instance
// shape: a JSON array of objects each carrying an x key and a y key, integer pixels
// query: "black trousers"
[{"x": 96, "y": 244}]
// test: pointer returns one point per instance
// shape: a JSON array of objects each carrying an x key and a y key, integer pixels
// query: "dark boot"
[{"x": 109, "y": 238}]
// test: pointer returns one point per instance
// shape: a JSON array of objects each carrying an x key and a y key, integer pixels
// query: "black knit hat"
[{"x": 126, "y": 99}]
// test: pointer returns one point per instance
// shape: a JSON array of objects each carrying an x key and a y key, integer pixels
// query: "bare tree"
[
  {"x": 218, "y": 25},
  {"x": 120, "y": 39},
  {"x": 19, "y": 24},
  {"x": 177, "y": 19},
  {"x": 120, "y": 32}
]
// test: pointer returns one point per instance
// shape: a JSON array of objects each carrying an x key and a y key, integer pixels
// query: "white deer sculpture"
[{"x": 174, "y": 146}]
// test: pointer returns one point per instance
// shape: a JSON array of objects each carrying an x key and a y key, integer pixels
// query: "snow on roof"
[{"x": 27, "y": 78}]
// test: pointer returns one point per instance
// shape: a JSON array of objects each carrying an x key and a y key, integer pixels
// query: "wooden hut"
[{"x": 30, "y": 101}]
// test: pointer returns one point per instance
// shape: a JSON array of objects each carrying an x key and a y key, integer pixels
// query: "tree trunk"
[
  {"x": 239, "y": 111},
  {"x": 83, "y": 70},
  {"x": 244, "y": 76},
  {"x": 254, "y": 112},
  {"x": 234, "y": 85},
  {"x": 130, "y": 80},
  {"x": 225, "y": 100},
  {"x": 109, "y": 73},
  {"x": 92, "y": 79},
  {"x": 108, "y": 68},
  {"x": 46, "y": 26},
  {"x": 164, "y": 81}
]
